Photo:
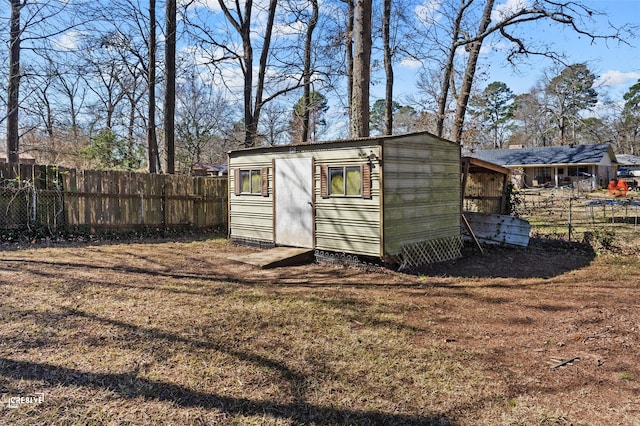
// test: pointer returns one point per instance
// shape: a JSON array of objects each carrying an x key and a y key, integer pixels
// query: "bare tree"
[
  {"x": 102, "y": 71},
  {"x": 51, "y": 105},
  {"x": 447, "y": 78},
  {"x": 313, "y": 20},
  {"x": 274, "y": 123},
  {"x": 73, "y": 93},
  {"x": 469, "y": 74},
  {"x": 278, "y": 69},
  {"x": 32, "y": 23},
  {"x": 531, "y": 118},
  {"x": 240, "y": 20},
  {"x": 503, "y": 22},
  {"x": 118, "y": 60},
  {"x": 202, "y": 123}
]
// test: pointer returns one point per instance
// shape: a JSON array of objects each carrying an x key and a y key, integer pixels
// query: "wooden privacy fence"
[{"x": 55, "y": 198}]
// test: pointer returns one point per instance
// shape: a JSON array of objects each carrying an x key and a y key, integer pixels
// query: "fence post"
[
  {"x": 163, "y": 207},
  {"x": 570, "y": 200},
  {"x": 142, "y": 213},
  {"x": 34, "y": 210}
]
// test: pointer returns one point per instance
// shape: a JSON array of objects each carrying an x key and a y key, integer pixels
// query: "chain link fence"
[
  {"x": 572, "y": 215},
  {"x": 25, "y": 206}
]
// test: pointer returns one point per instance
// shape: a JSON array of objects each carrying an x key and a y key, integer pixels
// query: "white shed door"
[{"x": 293, "y": 202}]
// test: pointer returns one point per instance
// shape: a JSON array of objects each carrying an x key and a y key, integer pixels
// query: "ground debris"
[{"x": 559, "y": 362}]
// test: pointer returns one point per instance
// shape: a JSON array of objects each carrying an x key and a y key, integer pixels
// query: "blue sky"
[{"x": 617, "y": 65}]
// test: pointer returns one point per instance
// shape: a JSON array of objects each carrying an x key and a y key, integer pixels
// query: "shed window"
[
  {"x": 345, "y": 181},
  {"x": 251, "y": 181}
]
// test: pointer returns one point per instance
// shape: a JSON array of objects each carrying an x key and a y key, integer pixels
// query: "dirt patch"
[{"x": 543, "y": 258}]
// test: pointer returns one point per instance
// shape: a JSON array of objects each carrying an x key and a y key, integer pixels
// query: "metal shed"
[{"x": 395, "y": 197}]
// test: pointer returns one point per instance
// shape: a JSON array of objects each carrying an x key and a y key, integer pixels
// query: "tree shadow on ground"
[
  {"x": 129, "y": 385},
  {"x": 543, "y": 258}
]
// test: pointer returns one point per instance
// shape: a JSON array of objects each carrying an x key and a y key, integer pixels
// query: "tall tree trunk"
[
  {"x": 447, "y": 75},
  {"x": 307, "y": 71},
  {"x": 152, "y": 142},
  {"x": 262, "y": 70},
  {"x": 388, "y": 68},
  {"x": 349, "y": 52},
  {"x": 170, "y": 85},
  {"x": 244, "y": 29},
  {"x": 469, "y": 74},
  {"x": 129, "y": 161},
  {"x": 361, "y": 69},
  {"x": 14, "y": 84}
]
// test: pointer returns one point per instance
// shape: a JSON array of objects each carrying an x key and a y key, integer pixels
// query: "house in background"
[
  {"x": 24, "y": 158},
  {"x": 591, "y": 165},
  {"x": 628, "y": 164},
  {"x": 208, "y": 169},
  {"x": 394, "y": 197}
]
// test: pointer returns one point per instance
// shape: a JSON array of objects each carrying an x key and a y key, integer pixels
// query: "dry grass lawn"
[{"x": 172, "y": 332}]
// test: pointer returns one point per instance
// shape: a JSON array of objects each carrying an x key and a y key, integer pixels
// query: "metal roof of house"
[
  {"x": 628, "y": 160},
  {"x": 550, "y": 155}
]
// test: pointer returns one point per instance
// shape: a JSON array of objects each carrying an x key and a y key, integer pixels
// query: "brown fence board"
[{"x": 108, "y": 200}]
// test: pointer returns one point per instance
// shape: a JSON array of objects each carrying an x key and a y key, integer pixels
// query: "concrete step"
[{"x": 277, "y": 257}]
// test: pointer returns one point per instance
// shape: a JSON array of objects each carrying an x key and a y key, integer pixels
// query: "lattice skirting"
[{"x": 440, "y": 250}]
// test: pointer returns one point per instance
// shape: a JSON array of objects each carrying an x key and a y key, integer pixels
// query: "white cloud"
[
  {"x": 294, "y": 28},
  {"x": 428, "y": 11},
  {"x": 410, "y": 63},
  {"x": 69, "y": 40},
  {"x": 614, "y": 78},
  {"x": 508, "y": 8},
  {"x": 211, "y": 5}
]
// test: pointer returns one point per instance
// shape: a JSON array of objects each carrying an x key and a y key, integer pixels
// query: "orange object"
[
  {"x": 622, "y": 186},
  {"x": 618, "y": 188}
]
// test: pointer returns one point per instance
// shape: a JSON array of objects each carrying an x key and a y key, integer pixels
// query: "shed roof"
[
  {"x": 550, "y": 155},
  {"x": 478, "y": 165},
  {"x": 339, "y": 143}
]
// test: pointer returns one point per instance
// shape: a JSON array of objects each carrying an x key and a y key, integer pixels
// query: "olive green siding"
[
  {"x": 251, "y": 215},
  {"x": 343, "y": 224},
  {"x": 421, "y": 181},
  {"x": 421, "y": 178},
  {"x": 350, "y": 225}
]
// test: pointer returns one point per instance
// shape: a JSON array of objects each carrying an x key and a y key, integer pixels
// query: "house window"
[
  {"x": 251, "y": 181},
  {"x": 579, "y": 171},
  {"x": 345, "y": 181},
  {"x": 542, "y": 174}
]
